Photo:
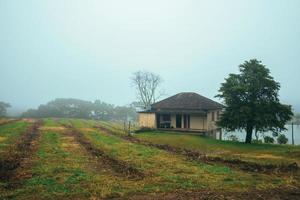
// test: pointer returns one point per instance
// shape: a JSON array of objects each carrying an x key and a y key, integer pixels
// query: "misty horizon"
[{"x": 90, "y": 50}]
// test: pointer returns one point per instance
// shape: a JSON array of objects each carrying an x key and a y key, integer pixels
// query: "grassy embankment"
[
  {"x": 257, "y": 153},
  {"x": 261, "y": 153}
]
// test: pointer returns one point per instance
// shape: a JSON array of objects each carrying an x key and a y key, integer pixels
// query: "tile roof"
[{"x": 187, "y": 101}]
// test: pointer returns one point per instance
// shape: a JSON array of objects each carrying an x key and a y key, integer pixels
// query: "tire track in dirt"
[
  {"x": 121, "y": 167},
  {"x": 17, "y": 157},
  {"x": 204, "y": 158}
]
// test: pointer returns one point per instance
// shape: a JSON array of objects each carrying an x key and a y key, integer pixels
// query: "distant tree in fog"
[
  {"x": 76, "y": 108},
  {"x": 147, "y": 85},
  {"x": 3, "y": 108}
]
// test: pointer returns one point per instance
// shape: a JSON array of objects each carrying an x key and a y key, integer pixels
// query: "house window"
[
  {"x": 166, "y": 118},
  {"x": 186, "y": 121},
  {"x": 178, "y": 120},
  {"x": 165, "y": 122},
  {"x": 212, "y": 116}
]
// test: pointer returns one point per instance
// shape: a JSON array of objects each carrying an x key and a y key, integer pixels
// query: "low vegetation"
[
  {"x": 79, "y": 159},
  {"x": 260, "y": 153},
  {"x": 9, "y": 133}
]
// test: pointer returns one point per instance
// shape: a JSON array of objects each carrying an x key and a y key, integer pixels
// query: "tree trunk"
[
  {"x": 256, "y": 135},
  {"x": 249, "y": 130}
]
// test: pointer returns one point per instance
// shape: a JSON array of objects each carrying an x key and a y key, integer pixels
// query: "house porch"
[{"x": 196, "y": 122}]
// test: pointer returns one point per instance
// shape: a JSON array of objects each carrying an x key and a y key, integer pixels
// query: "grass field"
[
  {"x": 10, "y": 132},
  {"x": 262, "y": 153},
  {"x": 76, "y": 159}
]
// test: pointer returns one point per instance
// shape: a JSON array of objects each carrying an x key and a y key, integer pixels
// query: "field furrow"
[
  {"x": 63, "y": 169},
  {"x": 17, "y": 155},
  {"x": 119, "y": 166}
]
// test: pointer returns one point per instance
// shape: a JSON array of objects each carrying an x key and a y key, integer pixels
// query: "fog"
[{"x": 89, "y": 49}]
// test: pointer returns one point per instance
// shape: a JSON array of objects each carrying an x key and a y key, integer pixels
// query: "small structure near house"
[{"x": 186, "y": 111}]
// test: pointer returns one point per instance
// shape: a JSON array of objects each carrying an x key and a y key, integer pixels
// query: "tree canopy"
[
  {"x": 3, "y": 108},
  {"x": 76, "y": 108},
  {"x": 251, "y": 101}
]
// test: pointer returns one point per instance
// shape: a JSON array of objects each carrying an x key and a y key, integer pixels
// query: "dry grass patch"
[
  {"x": 29, "y": 120},
  {"x": 53, "y": 128},
  {"x": 2, "y": 138},
  {"x": 87, "y": 129}
]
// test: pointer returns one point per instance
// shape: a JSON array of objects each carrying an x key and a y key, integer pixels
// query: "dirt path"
[
  {"x": 119, "y": 166},
  {"x": 14, "y": 163},
  {"x": 202, "y": 157}
]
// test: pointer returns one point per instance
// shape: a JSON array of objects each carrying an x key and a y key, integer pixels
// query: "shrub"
[
  {"x": 282, "y": 139},
  {"x": 269, "y": 139},
  {"x": 233, "y": 138},
  {"x": 257, "y": 141},
  {"x": 144, "y": 129}
]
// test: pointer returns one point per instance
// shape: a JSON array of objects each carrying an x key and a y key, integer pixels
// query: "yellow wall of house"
[
  {"x": 147, "y": 120},
  {"x": 211, "y": 125},
  {"x": 198, "y": 122},
  {"x": 173, "y": 121}
]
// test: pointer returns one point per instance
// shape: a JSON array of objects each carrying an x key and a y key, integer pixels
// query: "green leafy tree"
[
  {"x": 3, "y": 108},
  {"x": 251, "y": 101}
]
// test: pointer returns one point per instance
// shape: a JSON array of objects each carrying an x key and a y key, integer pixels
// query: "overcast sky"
[{"x": 89, "y": 49}]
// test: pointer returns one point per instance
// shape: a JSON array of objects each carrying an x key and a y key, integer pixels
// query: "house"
[{"x": 186, "y": 111}]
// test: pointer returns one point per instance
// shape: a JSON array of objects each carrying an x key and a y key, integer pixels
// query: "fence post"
[
  {"x": 124, "y": 127},
  {"x": 129, "y": 128},
  {"x": 293, "y": 142}
]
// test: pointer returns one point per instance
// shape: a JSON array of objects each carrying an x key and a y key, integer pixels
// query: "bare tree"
[{"x": 147, "y": 85}]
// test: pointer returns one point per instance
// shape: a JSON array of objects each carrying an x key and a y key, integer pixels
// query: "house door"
[
  {"x": 157, "y": 120},
  {"x": 178, "y": 121},
  {"x": 186, "y": 121}
]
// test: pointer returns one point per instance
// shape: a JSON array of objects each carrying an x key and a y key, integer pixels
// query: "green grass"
[
  {"x": 262, "y": 153},
  {"x": 175, "y": 171},
  {"x": 50, "y": 122},
  {"x": 9, "y": 133},
  {"x": 62, "y": 169}
]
